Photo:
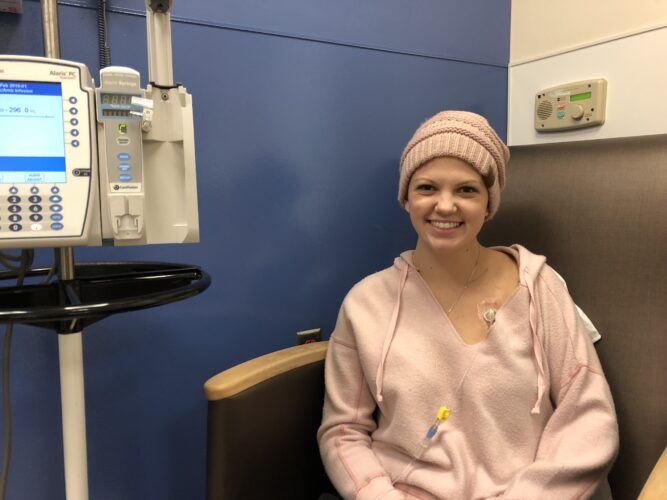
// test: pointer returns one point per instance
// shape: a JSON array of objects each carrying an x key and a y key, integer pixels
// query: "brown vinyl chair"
[
  {"x": 263, "y": 417},
  {"x": 656, "y": 485}
]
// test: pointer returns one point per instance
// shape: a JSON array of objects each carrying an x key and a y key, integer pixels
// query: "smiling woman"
[{"x": 488, "y": 333}]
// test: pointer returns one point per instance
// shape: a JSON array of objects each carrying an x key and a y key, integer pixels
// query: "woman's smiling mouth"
[{"x": 445, "y": 225}]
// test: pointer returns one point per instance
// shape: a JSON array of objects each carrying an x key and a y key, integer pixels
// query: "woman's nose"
[{"x": 446, "y": 203}]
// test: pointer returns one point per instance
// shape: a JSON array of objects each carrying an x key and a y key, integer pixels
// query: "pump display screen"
[
  {"x": 116, "y": 105},
  {"x": 32, "y": 133}
]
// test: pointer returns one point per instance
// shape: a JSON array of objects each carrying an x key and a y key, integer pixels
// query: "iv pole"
[
  {"x": 158, "y": 28},
  {"x": 70, "y": 346}
]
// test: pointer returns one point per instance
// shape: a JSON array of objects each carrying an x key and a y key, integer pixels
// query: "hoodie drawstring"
[
  {"x": 389, "y": 336},
  {"x": 537, "y": 346}
]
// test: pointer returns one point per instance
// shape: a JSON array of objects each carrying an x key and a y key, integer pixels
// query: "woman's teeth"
[{"x": 445, "y": 225}]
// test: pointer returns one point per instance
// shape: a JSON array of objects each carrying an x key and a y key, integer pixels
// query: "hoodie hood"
[{"x": 530, "y": 266}]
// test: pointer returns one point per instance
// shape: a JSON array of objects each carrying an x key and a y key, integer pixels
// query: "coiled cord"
[{"x": 103, "y": 47}]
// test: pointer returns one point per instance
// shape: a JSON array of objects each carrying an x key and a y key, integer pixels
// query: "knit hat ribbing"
[{"x": 464, "y": 135}]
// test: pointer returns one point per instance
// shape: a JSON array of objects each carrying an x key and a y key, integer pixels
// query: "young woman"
[{"x": 463, "y": 372}]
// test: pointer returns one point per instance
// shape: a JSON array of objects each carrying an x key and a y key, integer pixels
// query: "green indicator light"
[
  {"x": 581, "y": 97},
  {"x": 122, "y": 128}
]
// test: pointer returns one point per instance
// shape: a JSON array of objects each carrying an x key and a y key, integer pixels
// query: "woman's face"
[{"x": 448, "y": 204}]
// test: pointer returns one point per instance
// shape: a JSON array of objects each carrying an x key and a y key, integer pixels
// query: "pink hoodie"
[{"x": 532, "y": 414}]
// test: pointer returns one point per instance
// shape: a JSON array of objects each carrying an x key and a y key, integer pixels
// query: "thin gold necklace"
[
  {"x": 465, "y": 286},
  {"x": 474, "y": 268}
]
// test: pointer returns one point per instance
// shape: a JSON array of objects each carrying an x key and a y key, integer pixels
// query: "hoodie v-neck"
[{"x": 527, "y": 276}]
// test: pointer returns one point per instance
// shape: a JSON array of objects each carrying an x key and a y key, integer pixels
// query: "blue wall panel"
[
  {"x": 297, "y": 161},
  {"x": 440, "y": 28}
]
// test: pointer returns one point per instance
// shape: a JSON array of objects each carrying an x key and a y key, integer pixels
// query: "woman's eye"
[
  {"x": 425, "y": 187},
  {"x": 469, "y": 189}
]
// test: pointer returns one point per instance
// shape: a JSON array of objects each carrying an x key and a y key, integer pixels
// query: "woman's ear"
[{"x": 406, "y": 206}]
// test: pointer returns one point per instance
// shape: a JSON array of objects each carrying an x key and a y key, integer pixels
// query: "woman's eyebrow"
[
  {"x": 471, "y": 181},
  {"x": 422, "y": 179}
]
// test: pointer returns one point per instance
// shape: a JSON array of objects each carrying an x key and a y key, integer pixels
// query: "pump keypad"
[{"x": 20, "y": 203}]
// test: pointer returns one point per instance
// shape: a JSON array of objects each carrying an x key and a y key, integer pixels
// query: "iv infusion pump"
[{"x": 86, "y": 166}]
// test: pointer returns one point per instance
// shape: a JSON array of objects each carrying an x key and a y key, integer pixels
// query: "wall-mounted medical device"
[
  {"x": 571, "y": 106},
  {"x": 86, "y": 166}
]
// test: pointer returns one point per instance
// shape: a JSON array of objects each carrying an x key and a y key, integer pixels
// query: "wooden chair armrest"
[
  {"x": 240, "y": 377},
  {"x": 655, "y": 487}
]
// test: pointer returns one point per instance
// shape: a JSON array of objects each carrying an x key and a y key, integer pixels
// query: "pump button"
[
  {"x": 14, "y": 209},
  {"x": 35, "y": 208},
  {"x": 34, "y": 199},
  {"x": 14, "y": 199},
  {"x": 55, "y": 198},
  {"x": 124, "y": 177},
  {"x": 55, "y": 189},
  {"x": 124, "y": 167},
  {"x": 36, "y": 217},
  {"x": 13, "y": 190},
  {"x": 56, "y": 217},
  {"x": 15, "y": 227},
  {"x": 124, "y": 156},
  {"x": 34, "y": 190},
  {"x": 56, "y": 226},
  {"x": 15, "y": 218},
  {"x": 36, "y": 227},
  {"x": 56, "y": 208}
]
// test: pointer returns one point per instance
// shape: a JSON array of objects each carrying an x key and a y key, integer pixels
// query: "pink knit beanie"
[{"x": 464, "y": 135}]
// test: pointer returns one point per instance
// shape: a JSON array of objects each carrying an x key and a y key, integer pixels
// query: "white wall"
[
  {"x": 539, "y": 30},
  {"x": 626, "y": 43}
]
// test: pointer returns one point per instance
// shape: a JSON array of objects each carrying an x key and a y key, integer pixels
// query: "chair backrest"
[
  {"x": 263, "y": 417},
  {"x": 597, "y": 211}
]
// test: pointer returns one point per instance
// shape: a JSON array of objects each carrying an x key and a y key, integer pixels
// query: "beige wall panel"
[{"x": 544, "y": 27}]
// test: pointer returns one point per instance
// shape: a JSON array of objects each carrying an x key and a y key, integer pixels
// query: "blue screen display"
[{"x": 32, "y": 133}]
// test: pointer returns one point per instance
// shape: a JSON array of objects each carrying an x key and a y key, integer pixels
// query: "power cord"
[
  {"x": 6, "y": 410},
  {"x": 25, "y": 260}
]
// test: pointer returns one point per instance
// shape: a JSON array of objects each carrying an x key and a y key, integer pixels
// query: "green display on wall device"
[{"x": 581, "y": 97}]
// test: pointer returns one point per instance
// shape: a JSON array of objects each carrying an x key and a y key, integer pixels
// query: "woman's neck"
[{"x": 450, "y": 267}]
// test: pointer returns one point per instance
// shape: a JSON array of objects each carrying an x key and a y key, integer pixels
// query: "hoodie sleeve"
[
  {"x": 347, "y": 422},
  {"x": 580, "y": 440}
]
